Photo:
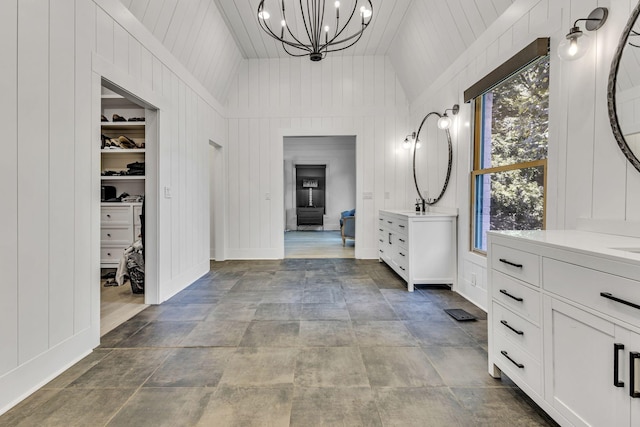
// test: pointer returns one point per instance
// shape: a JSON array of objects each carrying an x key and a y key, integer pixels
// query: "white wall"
[
  {"x": 273, "y": 98},
  {"x": 588, "y": 176},
  {"x": 54, "y": 53},
  {"x": 338, "y": 153}
]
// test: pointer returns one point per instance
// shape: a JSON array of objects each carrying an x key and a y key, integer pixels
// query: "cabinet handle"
[
  {"x": 380, "y": 229},
  {"x": 381, "y": 251},
  {"x": 401, "y": 226},
  {"x": 108, "y": 234},
  {"x": 402, "y": 268},
  {"x": 620, "y": 300},
  {"x": 402, "y": 240},
  {"x": 390, "y": 222},
  {"x": 510, "y": 263},
  {"x": 503, "y": 291},
  {"x": 390, "y": 238},
  {"x": 505, "y": 354},
  {"x": 504, "y": 322},
  {"x": 381, "y": 241},
  {"x": 109, "y": 253},
  {"x": 108, "y": 216},
  {"x": 616, "y": 360},
  {"x": 401, "y": 254},
  {"x": 633, "y": 355}
]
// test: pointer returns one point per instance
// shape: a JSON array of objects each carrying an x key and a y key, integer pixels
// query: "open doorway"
[
  {"x": 333, "y": 160},
  {"x": 127, "y": 143},
  {"x": 217, "y": 176}
]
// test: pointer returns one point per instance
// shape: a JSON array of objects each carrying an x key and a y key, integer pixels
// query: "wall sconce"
[
  {"x": 445, "y": 121},
  {"x": 409, "y": 141},
  {"x": 576, "y": 43}
]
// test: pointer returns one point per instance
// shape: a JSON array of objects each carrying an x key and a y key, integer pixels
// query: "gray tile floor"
[{"x": 292, "y": 342}]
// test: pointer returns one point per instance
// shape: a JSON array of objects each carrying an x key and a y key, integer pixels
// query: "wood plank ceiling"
[{"x": 210, "y": 37}]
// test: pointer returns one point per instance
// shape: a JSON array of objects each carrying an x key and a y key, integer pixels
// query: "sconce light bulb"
[
  {"x": 364, "y": 12},
  {"x": 573, "y": 47},
  {"x": 418, "y": 145},
  {"x": 444, "y": 122},
  {"x": 263, "y": 14},
  {"x": 337, "y": 4},
  {"x": 283, "y": 23}
]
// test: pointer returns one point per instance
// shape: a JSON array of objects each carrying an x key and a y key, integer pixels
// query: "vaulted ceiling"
[{"x": 422, "y": 37}]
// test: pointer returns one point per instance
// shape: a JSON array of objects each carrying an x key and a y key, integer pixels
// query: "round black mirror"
[
  {"x": 432, "y": 157},
  {"x": 623, "y": 90}
]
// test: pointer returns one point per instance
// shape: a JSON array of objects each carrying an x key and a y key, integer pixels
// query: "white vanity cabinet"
[
  {"x": 565, "y": 308},
  {"x": 421, "y": 248}
]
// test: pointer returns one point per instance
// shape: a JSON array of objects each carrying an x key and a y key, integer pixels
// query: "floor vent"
[{"x": 459, "y": 314}]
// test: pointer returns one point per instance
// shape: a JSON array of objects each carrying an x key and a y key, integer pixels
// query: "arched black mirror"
[
  {"x": 432, "y": 158},
  {"x": 623, "y": 95}
]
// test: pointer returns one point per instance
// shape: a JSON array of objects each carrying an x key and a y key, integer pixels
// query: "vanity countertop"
[
  {"x": 611, "y": 246},
  {"x": 413, "y": 214}
]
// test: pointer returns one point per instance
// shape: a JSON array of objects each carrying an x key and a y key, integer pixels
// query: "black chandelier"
[{"x": 319, "y": 38}]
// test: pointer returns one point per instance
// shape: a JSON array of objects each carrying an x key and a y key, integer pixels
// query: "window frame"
[{"x": 519, "y": 62}]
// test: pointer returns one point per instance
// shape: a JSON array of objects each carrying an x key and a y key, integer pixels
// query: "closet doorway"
[
  {"x": 128, "y": 144},
  {"x": 320, "y": 179}
]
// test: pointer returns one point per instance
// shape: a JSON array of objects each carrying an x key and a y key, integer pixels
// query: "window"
[{"x": 511, "y": 130}]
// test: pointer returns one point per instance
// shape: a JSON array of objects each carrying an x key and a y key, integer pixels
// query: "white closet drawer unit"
[
  {"x": 137, "y": 211},
  {"x": 514, "y": 262},
  {"x": 115, "y": 235},
  {"x": 111, "y": 254},
  {"x": 115, "y": 215}
]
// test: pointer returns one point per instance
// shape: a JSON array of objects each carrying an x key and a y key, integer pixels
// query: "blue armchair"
[{"x": 348, "y": 225}]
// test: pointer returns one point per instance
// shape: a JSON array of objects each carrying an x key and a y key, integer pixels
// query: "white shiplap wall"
[
  {"x": 53, "y": 55},
  {"x": 588, "y": 176},
  {"x": 272, "y": 98}
]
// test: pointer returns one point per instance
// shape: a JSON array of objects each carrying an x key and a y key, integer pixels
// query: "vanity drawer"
[
  {"x": 115, "y": 214},
  {"x": 584, "y": 286},
  {"x": 515, "y": 328},
  {"x": 516, "y": 296},
  {"x": 519, "y": 365},
  {"x": 115, "y": 235},
  {"x": 522, "y": 265}
]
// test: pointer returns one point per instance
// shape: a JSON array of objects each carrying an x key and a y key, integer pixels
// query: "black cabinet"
[
  {"x": 310, "y": 216},
  {"x": 310, "y": 194}
]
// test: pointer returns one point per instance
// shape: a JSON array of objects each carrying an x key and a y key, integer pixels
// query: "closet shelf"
[
  {"x": 122, "y": 150},
  {"x": 116, "y": 125},
  {"x": 122, "y": 178}
]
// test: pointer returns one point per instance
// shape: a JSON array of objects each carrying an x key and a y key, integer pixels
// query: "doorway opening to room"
[
  {"x": 319, "y": 186},
  {"x": 128, "y": 142}
]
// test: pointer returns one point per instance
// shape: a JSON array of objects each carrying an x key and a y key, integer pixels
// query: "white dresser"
[
  {"x": 119, "y": 228},
  {"x": 421, "y": 248},
  {"x": 564, "y": 322}
]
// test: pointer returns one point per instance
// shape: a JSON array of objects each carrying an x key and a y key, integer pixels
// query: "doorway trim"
[
  {"x": 278, "y": 210},
  {"x": 218, "y": 201},
  {"x": 105, "y": 72}
]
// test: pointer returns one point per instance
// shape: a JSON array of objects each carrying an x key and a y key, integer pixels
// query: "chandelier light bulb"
[{"x": 346, "y": 28}]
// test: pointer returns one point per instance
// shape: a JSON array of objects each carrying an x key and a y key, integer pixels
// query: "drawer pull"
[
  {"x": 109, "y": 253},
  {"x": 402, "y": 268},
  {"x": 616, "y": 360},
  {"x": 633, "y": 356},
  {"x": 108, "y": 234},
  {"x": 401, "y": 254},
  {"x": 381, "y": 241},
  {"x": 390, "y": 239},
  {"x": 390, "y": 222},
  {"x": 504, "y": 322},
  {"x": 510, "y": 263},
  {"x": 505, "y": 354},
  {"x": 621, "y": 301},
  {"x": 402, "y": 240},
  {"x": 108, "y": 216},
  {"x": 401, "y": 226},
  {"x": 381, "y": 251},
  {"x": 380, "y": 229},
  {"x": 503, "y": 291}
]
